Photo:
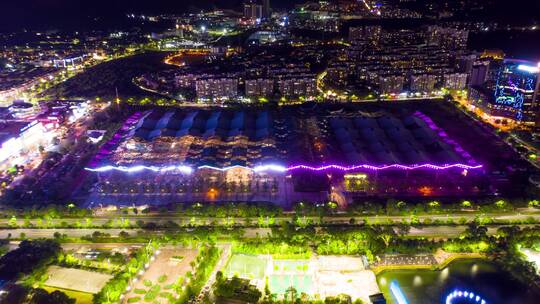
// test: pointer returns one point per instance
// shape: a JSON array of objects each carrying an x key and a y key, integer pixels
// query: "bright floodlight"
[{"x": 528, "y": 68}]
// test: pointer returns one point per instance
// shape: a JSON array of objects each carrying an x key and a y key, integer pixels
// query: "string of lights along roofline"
[{"x": 280, "y": 168}]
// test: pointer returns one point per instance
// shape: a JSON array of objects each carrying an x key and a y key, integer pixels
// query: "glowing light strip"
[
  {"x": 457, "y": 294},
  {"x": 280, "y": 168},
  {"x": 223, "y": 169},
  {"x": 134, "y": 169},
  {"x": 276, "y": 168},
  {"x": 385, "y": 167},
  {"x": 263, "y": 168},
  {"x": 398, "y": 293}
]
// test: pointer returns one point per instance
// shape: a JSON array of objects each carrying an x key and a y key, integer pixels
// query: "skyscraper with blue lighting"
[{"x": 516, "y": 90}]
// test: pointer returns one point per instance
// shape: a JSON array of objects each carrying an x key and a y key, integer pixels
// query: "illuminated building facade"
[
  {"x": 297, "y": 86},
  {"x": 448, "y": 38},
  {"x": 71, "y": 63},
  {"x": 365, "y": 35},
  {"x": 253, "y": 10},
  {"x": 517, "y": 88},
  {"x": 260, "y": 87},
  {"x": 21, "y": 138},
  {"x": 13, "y": 84},
  {"x": 479, "y": 73},
  {"x": 280, "y": 156},
  {"x": 266, "y": 10},
  {"x": 455, "y": 81},
  {"x": 423, "y": 83},
  {"x": 58, "y": 112},
  {"x": 391, "y": 84},
  {"x": 26, "y": 129},
  {"x": 339, "y": 72},
  {"x": 216, "y": 87}
]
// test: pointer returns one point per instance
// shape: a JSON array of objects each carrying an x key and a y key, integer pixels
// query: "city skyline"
[{"x": 47, "y": 11}]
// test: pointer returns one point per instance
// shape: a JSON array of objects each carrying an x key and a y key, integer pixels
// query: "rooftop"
[{"x": 278, "y": 139}]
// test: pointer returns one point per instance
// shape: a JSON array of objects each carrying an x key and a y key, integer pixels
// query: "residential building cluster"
[
  {"x": 253, "y": 74},
  {"x": 13, "y": 82},
  {"x": 390, "y": 62}
]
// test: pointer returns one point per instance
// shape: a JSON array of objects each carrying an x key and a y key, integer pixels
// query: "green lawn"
[
  {"x": 246, "y": 266},
  {"x": 302, "y": 283}
]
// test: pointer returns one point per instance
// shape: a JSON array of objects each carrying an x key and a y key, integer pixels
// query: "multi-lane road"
[
  {"x": 29, "y": 233},
  {"x": 131, "y": 220},
  {"x": 47, "y": 229}
]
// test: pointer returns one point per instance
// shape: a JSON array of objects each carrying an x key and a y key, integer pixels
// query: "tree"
[
  {"x": 267, "y": 291},
  {"x": 41, "y": 296},
  {"x": 475, "y": 231},
  {"x": 219, "y": 277},
  {"x": 434, "y": 205},
  {"x": 386, "y": 238},
  {"x": 501, "y": 204},
  {"x": 508, "y": 231},
  {"x": 16, "y": 294},
  {"x": 29, "y": 255},
  {"x": 291, "y": 294},
  {"x": 12, "y": 222},
  {"x": 339, "y": 299},
  {"x": 466, "y": 204}
]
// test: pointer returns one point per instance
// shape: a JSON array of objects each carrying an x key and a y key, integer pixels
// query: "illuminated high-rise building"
[
  {"x": 391, "y": 84},
  {"x": 517, "y": 89},
  {"x": 266, "y": 10},
  {"x": 260, "y": 87},
  {"x": 423, "y": 83},
  {"x": 479, "y": 73},
  {"x": 448, "y": 38},
  {"x": 216, "y": 86},
  {"x": 455, "y": 81},
  {"x": 365, "y": 35},
  {"x": 253, "y": 10}
]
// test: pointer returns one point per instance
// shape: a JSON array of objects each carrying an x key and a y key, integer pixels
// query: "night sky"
[
  {"x": 31, "y": 13},
  {"x": 17, "y": 14}
]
